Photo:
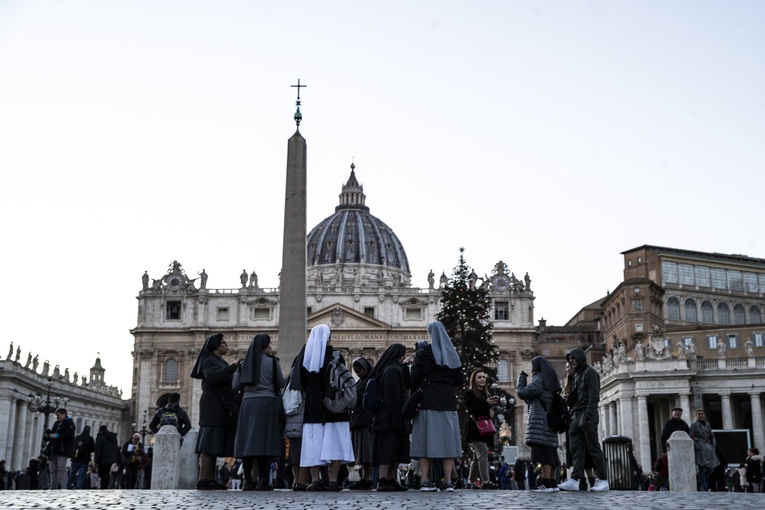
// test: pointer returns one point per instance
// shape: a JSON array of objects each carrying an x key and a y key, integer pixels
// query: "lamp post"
[
  {"x": 144, "y": 429},
  {"x": 46, "y": 405}
]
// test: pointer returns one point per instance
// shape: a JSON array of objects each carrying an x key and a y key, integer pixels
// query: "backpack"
[
  {"x": 558, "y": 416},
  {"x": 370, "y": 399},
  {"x": 79, "y": 450},
  {"x": 168, "y": 417},
  {"x": 340, "y": 388}
]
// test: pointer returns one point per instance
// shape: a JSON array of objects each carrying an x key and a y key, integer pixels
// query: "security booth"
[{"x": 621, "y": 465}]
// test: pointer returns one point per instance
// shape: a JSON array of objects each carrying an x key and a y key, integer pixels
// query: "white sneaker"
[
  {"x": 600, "y": 485},
  {"x": 542, "y": 488},
  {"x": 571, "y": 485}
]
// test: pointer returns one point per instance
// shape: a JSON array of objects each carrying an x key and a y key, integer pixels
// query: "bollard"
[
  {"x": 682, "y": 463},
  {"x": 189, "y": 461},
  {"x": 165, "y": 469}
]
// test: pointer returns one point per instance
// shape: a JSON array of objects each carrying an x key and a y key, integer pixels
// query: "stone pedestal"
[
  {"x": 165, "y": 468},
  {"x": 188, "y": 461},
  {"x": 682, "y": 463}
]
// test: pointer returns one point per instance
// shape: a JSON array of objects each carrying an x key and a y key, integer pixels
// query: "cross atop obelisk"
[{"x": 298, "y": 115}]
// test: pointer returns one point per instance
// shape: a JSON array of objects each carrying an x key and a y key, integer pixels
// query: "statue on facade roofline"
[
  {"x": 640, "y": 351},
  {"x": 749, "y": 345},
  {"x": 431, "y": 280},
  {"x": 681, "y": 350},
  {"x": 10, "y": 351},
  {"x": 46, "y": 368},
  {"x": 29, "y": 360},
  {"x": 18, "y": 354},
  {"x": 35, "y": 362},
  {"x": 145, "y": 280},
  {"x": 722, "y": 349}
]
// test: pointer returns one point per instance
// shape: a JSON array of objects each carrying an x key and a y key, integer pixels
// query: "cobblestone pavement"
[{"x": 466, "y": 499}]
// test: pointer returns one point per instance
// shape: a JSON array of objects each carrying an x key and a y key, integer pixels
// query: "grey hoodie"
[{"x": 586, "y": 386}]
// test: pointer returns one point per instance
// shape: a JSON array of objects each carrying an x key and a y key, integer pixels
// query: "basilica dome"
[{"x": 353, "y": 236}]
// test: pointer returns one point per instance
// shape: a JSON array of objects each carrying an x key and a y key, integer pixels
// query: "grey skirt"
[
  {"x": 260, "y": 429},
  {"x": 436, "y": 435},
  {"x": 362, "y": 445},
  {"x": 217, "y": 441}
]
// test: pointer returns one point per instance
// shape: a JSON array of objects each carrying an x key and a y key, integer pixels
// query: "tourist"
[
  {"x": 218, "y": 409},
  {"x": 132, "y": 460},
  {"x": 437, "y": 370},
  {"x": 171, "y": 414},
  {"x": 479, "y": 403},
  {"x": 570, "y": 398},
  {"x": 583, "y": 431},
  {"x": 704, "y": 446},
  {"x": 361, "y": 420},
  {"x": 107, "y": 453},
  {"x": 543, "y": 440},
  {"x": 61, "y": 438},
  {"x": 84, "y": 445},
  {"x": 294, "y": 427},
  {"x": 260, "y": 431},
  {"x": 753, "y": 469},
  {"x": 673, "y": 424}
]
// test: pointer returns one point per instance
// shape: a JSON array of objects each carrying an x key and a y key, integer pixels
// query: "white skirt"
[{"x": 325, "y": 443}]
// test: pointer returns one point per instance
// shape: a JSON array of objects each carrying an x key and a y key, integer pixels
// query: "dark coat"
[
  {"x": 315, "y": 385},
  {"x": 477, "y": 407},
  {"x": 538, "y": 431},
  {"x": 671, "y": 426},
  {"x": 393, "y": 394},
  {"x": 62, "y": 438},
  {"x": 184, "y": 423},
  {"x": 360, "y": 417},
  {"x": 439, "y": 392},
  {"x": 216, "y": 384},
  {"x": 107, "y": 448},
  {"x": 83, "y": 450},
  {"x": 586, "y": 393}
]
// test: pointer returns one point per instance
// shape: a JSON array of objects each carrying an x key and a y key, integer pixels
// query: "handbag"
[
  {"x": 292, "y": 400},
  {"x": 485, "y": 426}
]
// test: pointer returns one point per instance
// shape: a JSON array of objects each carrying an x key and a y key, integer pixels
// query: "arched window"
[
  {"x": 723, "y": 314},
  {"x": 739, "y": 314},
  {"x": 707, "y": 312},
  {"x": 754, "y": 315},
  {"x": 171, "y": 371},
  {"x": 673, "y": 309},
  {"x": 691, "y": 314},
  {"x": 503, "y": 371}
]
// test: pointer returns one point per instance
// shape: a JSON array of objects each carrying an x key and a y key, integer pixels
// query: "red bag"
[{"x": 485, "y": 426}]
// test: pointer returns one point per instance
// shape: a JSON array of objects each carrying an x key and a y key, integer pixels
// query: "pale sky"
[{"x": 552, "y": 135}]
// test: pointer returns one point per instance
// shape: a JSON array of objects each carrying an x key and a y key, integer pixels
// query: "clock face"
[
  {"x": 174, "y": 282},
  {"x": 501, "y": 282}
]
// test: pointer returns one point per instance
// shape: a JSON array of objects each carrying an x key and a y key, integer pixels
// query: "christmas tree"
[{"x": 465, "y": 314}]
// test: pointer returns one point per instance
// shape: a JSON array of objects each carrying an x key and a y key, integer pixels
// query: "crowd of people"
[{"x": 401, "y": 430}]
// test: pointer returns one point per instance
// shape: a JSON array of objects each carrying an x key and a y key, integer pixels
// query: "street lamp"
[
  {"x": 46, "y": 405},
  {"x": 144, "y": 429}
]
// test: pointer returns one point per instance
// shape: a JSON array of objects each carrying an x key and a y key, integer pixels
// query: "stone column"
[
  {"x": 627, "y": 419},
  {"x": 5, "y": 430},
  {"x": 17, "y": 458},
  {"x": 165, "y": 471},
  {"x": 612, "y": 420},
  {"x": 603, "y": 420},
  {"x": 682, "y": 463},
  {"x": 727, "y": 414},
  {"x": 757, "y": 425},
  {"x": 685, "y": 403},
  {"x": 644, "y": 444},
  {"x": 10, "y": 438}
]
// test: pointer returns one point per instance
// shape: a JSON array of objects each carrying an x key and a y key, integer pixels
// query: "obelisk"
[{"x": 292, "y": 293}]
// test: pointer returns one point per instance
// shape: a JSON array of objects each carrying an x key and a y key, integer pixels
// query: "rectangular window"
[
  {"x": 637, "y": 304},
  {"x": 762, "y": 283},
  {"x": 503, "y": 371},
  {"x": 732, "y": 341},
  {"x": 501, "y": 311},
  {"x": 688, "y": 341},
  {"x": 629, "y": 263},
  {"x": 261, "y": 313},
  {"x": 669, "y": 272},
  {"x": 222, "y": 314},
  {"x": 638, "y": 328},
  {"x": 308, "y": 311},
  {"x": 759, "y": 339},
  {"x": 369, "y": 311},
  {"x": 750, "y": 282},
  {"x": 413, "y": 314},
  {"x": 687, "y": 274},
  {"x": 735, "y": 281},
  {"x": 712, "y": 342},
  {"x": 640, "y": 260},
  {"x": 173, "y": 311},
  {"x": 719, "y": 279},
  {"x": 703, "y": 278}
]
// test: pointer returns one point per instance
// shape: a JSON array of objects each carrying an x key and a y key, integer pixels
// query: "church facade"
[{"x": 358, "y": 283}]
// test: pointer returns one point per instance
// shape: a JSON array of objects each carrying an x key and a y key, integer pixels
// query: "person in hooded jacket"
[
  {"x": 753, "y": 469},
  {"x": 437, "y": 370},
  {"x": 216, "y": 429},
  {"x": 173, "y": 406},
  {"x": 361, "y": 420},
  {"x": 542, "y": 439},
  {"x": 107, "y": 452},
  {"x": 583, "y": 430},
  {"x": 390, "y": 431},
  {"x": 260, "y": 431},
  {"x": 61, "y": 437},
  {"x": 83, "y": 447}
]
